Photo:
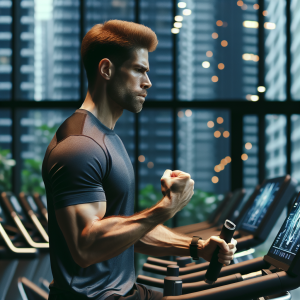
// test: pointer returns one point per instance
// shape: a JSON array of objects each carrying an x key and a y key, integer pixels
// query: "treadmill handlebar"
[
  {"x": 193, "y": 286},
  {"x": 158, "y": 266},
  {"x": 215, "y": 266},
  {"x": 253, "y": 288}
]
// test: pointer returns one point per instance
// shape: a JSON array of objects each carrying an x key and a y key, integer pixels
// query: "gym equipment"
[
  {"x": 32, "y": 212},
  {"x": 32, "y": 237},
  {"x": 274, "y": 274},
  {"x": 30, "y": 291},
  {"x": 15, "y": 256},
  {"x": 215, "y": 266},
  {"x": 43, "y": 271},
  {"x": 254, "y": 224},
  {"x": 41, "y": 202}
]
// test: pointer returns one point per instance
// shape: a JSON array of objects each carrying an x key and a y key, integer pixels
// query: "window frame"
[{"x": 237, "y": 108}]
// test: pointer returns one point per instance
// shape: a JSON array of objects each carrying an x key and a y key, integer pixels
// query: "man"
[{"x": 89, "y": 180}]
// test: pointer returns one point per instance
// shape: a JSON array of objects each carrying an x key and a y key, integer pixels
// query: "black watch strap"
[{"x": 194, "y": 247}]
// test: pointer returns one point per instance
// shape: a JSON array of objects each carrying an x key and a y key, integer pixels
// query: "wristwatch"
[{"x": 194, "y": 247}]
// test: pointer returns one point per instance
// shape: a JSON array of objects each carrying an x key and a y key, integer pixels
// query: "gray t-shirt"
[{"x": 87, "y": 162}]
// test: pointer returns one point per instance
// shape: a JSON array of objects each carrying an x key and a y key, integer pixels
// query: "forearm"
[
  {"x": 162, "y": 241},
  {"x": 111, "y": 236}
]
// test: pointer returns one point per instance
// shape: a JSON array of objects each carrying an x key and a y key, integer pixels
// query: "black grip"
[{"x": 215, "y": 266}]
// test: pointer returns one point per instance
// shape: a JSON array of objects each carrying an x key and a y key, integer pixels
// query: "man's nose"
[{"x": 146, "y": 83}]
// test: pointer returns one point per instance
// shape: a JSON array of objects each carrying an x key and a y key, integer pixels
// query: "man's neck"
[{"x": 105, "y": 111}]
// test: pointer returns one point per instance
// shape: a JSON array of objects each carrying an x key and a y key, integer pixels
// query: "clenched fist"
[{"x": 177, "y": 188}]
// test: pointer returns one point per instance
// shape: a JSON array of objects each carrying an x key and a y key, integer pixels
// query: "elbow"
[{"x": 81, "y": 260}]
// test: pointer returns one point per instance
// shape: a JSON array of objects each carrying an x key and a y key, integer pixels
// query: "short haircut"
[{"x": 114, "y": 40}]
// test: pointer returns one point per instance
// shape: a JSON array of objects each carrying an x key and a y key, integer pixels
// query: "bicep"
[{"x": 76, "y": 221}]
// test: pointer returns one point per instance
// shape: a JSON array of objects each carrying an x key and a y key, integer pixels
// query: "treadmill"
[
  {"x": 43, "y": 272},
  {"x": 254, "y": 223},
  {"x": 274, "y": 274},
  {"x": 41, "y": 203},
  {"x": 31, "y": 235},
  {"x": 212, "y": 220},
  {"x": 259, "y": 215},
  {"x": 16, "y": 258}
]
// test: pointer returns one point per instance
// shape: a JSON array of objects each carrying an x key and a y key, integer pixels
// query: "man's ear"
[{"x": 106, "y": 68}]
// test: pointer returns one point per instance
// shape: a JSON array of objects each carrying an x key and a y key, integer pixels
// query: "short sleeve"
[{"x": 76, "y": 168}]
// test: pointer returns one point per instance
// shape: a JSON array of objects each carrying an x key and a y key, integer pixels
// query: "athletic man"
[{"x": 89, "y": 180}]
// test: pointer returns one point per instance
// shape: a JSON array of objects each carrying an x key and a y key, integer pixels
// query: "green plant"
[
  {"x": 31, "y": 173},
  {"x": 6, "y": 165}
]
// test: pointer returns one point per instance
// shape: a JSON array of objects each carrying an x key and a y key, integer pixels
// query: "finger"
[
  {"x": 234, "y": 242},
  {"x": 230, "y": 252},
  {"x": 178, "y": 173},
  {"x": 221, "y": 243},
  {"x": 167, "y": 174},
  {"x": 225, "y": 257},
  {"x": 224, "y": 262}
]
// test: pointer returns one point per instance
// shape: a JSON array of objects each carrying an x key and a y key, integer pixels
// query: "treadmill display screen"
[
  {"x": 261, "y": 204},
  {"x": 287, "y": 242}
]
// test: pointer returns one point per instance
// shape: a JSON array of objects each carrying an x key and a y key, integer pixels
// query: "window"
[
  {"x": 295, "y": 50},
  {"x": 295, "y": 141},
  {"x": 48, "y": 50},
  {"x": 203, "y": 150},
  {"x": 275, "y": 146},
  {"x": 155, "y": 153},
  {"x": 158, "y": 15},
  {"x": 275, "y": 49},
  {"x": 37, "y": 128},
  {"x": 217, "y": 51},
  {"x": 6, "y": 161},
  {"x": 5, "y": 49},
  {"x": 213, "y": 61},
  {"x": 250, "y": 151}
]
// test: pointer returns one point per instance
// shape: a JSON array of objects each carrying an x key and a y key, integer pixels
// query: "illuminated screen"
[
  {"x": 261, "y": 204},
  {"x": 287, "y": 242}
]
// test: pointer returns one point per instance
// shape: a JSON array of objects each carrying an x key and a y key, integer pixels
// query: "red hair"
[{"x": 114, "y": 40}]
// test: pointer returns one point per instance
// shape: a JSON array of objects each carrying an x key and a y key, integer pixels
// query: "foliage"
[
  {"x": 199, "y": 208},
  {"x": 31, "y": 172},
  {"x": 31, "y": 177},
  {"x": 6, "y": 165}
]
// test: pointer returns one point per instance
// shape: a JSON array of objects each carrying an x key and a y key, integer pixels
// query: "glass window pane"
[
  {"x": 97, "y": 12},
  {"x": 295, "y": 146},
  {"x": 158, "y": 15},
  {"x": 125, "y": 130},
  {"x": 48, "y": 56},
  {"x": 218, "y": 50},
  {"x": 275, "y": 49},
  {"x": 250, "y": 148},
  {"x": 6, "y": 162},
  {"x": 295, "y": 50},
  {"x": 155, "y": 153},
  {"x": 203, "y": 150},
  {"x": 154, "y": 157},
  {"x": 275, "y": 145},
  {"x": 37, "y": 128},
  {"x": 5, "y": 49}
]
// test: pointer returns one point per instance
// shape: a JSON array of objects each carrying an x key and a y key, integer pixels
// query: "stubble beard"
[{"x": 125, "y": 98}]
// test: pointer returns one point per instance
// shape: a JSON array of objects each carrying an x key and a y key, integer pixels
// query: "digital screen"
[
  {"x": 287, "y": 242},
  {"x": 261, "y": 204}
]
